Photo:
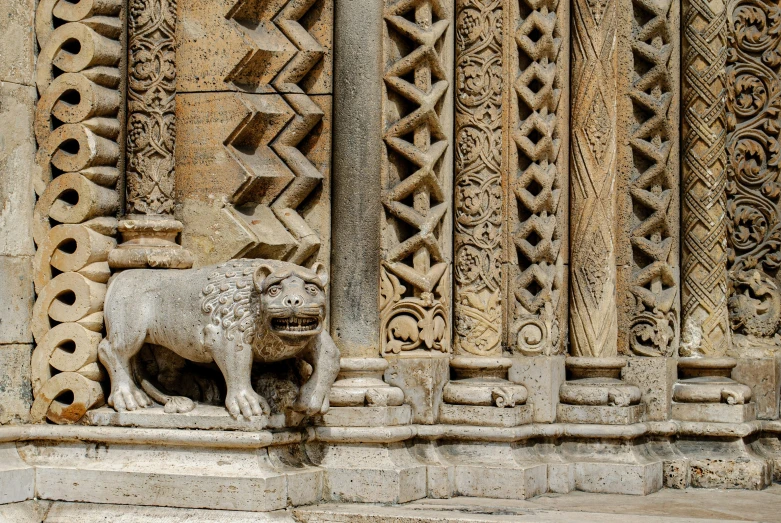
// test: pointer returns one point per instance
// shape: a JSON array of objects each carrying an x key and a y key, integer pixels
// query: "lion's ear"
[
  {"x": 261, "y": 273},
  {"x": 322, "y": 273}
]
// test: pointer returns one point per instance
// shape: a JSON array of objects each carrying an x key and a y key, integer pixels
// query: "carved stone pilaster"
[
  {"x": 753, "y": 186},
  {"x": 536, "y": 141},
  {"x": 148, "y": 230},
  {"x": 649, "y": 314},
  {"x": 704, "y": 228}
]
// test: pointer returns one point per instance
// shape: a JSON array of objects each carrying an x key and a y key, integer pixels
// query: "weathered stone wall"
[{"x": 17, "y": 167}]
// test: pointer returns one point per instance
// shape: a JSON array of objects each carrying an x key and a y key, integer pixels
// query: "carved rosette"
[
  {"x": 537, "y": 159},
  {"x": 477, "y": 272},
  {"x": 77, "y": 126},
  {"x": 753, "y": 184},
  {"x": 416, "y": 248},
  {"x": 151, "y": 126},
  {"x": 653, "y": 180},
  {"x": 704, "y": 225},
  {"x": 593, "y": 307}
]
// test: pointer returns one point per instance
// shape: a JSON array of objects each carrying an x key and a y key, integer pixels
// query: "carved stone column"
[
  {"x": 148, "y": 229},
  {"x": 356, "y": 221},
  {"x": 478, "y": 370},
  {"x": 704, "y": 369},
  {"x": 595, "y": 366},
  {"x": 415, "y": 318}
]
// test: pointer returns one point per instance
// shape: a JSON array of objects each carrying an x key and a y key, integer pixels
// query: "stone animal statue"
[{"x": 233, "y": 314}]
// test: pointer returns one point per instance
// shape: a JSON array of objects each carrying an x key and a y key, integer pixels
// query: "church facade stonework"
[{"x": 259, "y": 255}]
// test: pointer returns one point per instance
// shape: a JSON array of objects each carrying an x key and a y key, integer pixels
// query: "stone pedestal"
[
  {"x": 655, "y": 378},
  {"x": 422, "y": 379},
  {"x": 542, "y": 376},
  {"x": 706, "y": 392},
  {"x": 480, "y": 394},
  {"x": 594, "y": 393},
  {"x": 149, "y": 241}
]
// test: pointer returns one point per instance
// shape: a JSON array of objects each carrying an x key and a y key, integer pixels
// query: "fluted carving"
[
  {"x": 415, "y": 297},
  {"x": 653, "y": 180},
  {"x": 593, "y": 312},
  {"x": 753, "y": 185},
  {"x": 537, "y": 181},
  {"x": 704, "y": 227},
  {"x": 77, "y": 127}
]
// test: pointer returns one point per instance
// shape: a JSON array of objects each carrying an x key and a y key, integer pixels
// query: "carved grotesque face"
[{"x": 292, "y": 300}]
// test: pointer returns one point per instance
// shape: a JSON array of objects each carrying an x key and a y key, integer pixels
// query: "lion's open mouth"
[{"x": 294, "y": 324}]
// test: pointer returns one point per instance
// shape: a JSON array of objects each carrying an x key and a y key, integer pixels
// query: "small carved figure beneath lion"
[{"x": 234, "y": 314}]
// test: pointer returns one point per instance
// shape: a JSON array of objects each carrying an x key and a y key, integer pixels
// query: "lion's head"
[{"x": 292, "y": 299}]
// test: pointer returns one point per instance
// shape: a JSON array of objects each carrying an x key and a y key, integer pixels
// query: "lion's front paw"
[
  {"x": 312, "y": 404},
  {"x": 246, "y": 402},
  {"x": 126, "y": 396}
]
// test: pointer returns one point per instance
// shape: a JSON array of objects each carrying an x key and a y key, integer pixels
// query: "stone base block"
[
  {"x": 763, "y": 375},
  {"x": 17, "y": 479},
  {"x": 542, "y": 376},
  {"x": 512, "y": 481},
  {"x": 655, "y": 378},
  {"x": 714, "y": 412},
  {"x": 638, "y": 479},
  {"x": 485, "y": 416},
  {"x": 730, "y": 473},
  {"x": 370, "y": 472},
  {"x": 204, "y": 417},
  {"x": 422, "y": 380},
  {"x": 600, "y": 414},
  {"x": 171, "y": 477},
  {"x": 367, "y": 416},
  {"x": 561, "y": 477}
]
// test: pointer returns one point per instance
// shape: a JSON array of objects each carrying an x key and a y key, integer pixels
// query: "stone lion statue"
[{"x": 233, "y": 314}]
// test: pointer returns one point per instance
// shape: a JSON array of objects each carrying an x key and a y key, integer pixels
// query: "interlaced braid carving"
[
  {"x": 478, "y": 184},
  {"x": 653, "y": 182},
  {"x": 704, "y": 228},
  {"x": 753, "y": 184},
  {"x": 415, "y": 177},
  {"x": 537, "y": 174},
  {"x": 78, "y": 123},
  {"x": 593, "y": 312}
]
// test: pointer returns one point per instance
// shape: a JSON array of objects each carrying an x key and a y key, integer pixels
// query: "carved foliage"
[
  {"x": 537, "y": 174},
  {"x": 151, "y": 104},
  {"x": 704, "y": 228},
  {"x": 415, "y": 177},
  {"x": 653, "y": 182},
  {"x": 593, "y": 312},
  {"x": 478, "y": 184},
  {"x": 77, "y": 126},
  {"x": 753, "y": 184}
]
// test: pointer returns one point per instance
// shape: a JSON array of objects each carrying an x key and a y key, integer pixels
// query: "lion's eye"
[
  {"x": 312, "y": 289},
  {"x": 274, "y": 291}
]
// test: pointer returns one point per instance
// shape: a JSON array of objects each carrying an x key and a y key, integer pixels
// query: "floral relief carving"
[
  {"x": 151, "y": 106},
  {"x": 415, "y": 177},
  {"x": 477, "y": 307},
  {"x": 753, "y": 184}
]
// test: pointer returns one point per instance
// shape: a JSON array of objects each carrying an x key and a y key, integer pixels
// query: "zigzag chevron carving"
[{"x": 266, "y": 177}]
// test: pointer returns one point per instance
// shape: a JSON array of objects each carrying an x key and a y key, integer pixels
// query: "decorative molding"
[
  {"x": 653, "y": 180},
  {"x": 416, "y": 247},
  {"x": 593, "y": 305},
  {"x": 538, "y": 169},
  {"x": 78, "y": 125},
  {"x": 753, "y": 185},
  {"x": 704, "y": 225},
  {"x": 478, "y": 223}
]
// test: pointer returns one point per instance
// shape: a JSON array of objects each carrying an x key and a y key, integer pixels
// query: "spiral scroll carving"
[{"x": 77, "y": 127}]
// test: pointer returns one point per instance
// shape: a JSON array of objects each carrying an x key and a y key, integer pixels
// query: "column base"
[
  {"x": 705, "y": 392},
  {"x": 149, "y": 241},
  {"x": 595, "y": 393}
]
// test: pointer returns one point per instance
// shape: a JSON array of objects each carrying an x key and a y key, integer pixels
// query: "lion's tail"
[{"x": 171, "y": 404}]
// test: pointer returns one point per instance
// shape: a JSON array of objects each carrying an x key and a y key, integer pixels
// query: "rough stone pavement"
[{"x": 666, "y": 506}]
